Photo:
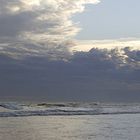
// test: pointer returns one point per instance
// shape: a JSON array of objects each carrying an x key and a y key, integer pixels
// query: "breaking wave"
[{"x": 46, "y": 109}]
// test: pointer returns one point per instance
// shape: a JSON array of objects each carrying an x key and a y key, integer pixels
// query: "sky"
[
  {"x": 70, "y": 50},
  {"x": 110, "y": 19}
]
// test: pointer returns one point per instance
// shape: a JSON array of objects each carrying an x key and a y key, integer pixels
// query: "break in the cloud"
[
  {"x": 86, "y": 45},
  {"x": 34, "y": 26}
]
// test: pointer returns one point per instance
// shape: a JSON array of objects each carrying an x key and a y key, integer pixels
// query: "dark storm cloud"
[{"x": 95, "y": 75}]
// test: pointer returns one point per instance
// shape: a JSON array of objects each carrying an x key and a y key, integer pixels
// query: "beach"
[{"x": 88, "y": 127}]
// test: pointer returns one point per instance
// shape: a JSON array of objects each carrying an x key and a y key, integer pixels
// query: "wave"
[
  {"x": 12, "y": 106},
  {"x": 45, "y": 109}
]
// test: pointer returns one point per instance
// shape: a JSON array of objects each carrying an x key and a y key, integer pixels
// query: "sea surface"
[{"x": 69, "y": 121}]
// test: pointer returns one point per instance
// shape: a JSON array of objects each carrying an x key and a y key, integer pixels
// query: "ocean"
[{"x": 69, "y": 121}]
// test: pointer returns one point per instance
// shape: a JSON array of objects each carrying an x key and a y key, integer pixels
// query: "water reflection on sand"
[{"x": 100, "y": 127}]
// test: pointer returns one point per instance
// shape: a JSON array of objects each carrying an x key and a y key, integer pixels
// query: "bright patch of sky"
[{"x": 110, "y": 19}]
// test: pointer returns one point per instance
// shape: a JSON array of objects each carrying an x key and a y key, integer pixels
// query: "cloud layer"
[{"x": 97, "y": 75}]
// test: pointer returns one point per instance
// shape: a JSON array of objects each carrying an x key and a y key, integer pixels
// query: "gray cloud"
[
  {"x": 14, "y": 25},
  {"x": 99, "y": 75},
  {"x": 43, "y": 23}
]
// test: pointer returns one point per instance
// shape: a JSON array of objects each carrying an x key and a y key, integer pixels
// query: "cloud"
[
  {"x": 100, "y": 75},
  {"x": 46, "y": 22}
]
